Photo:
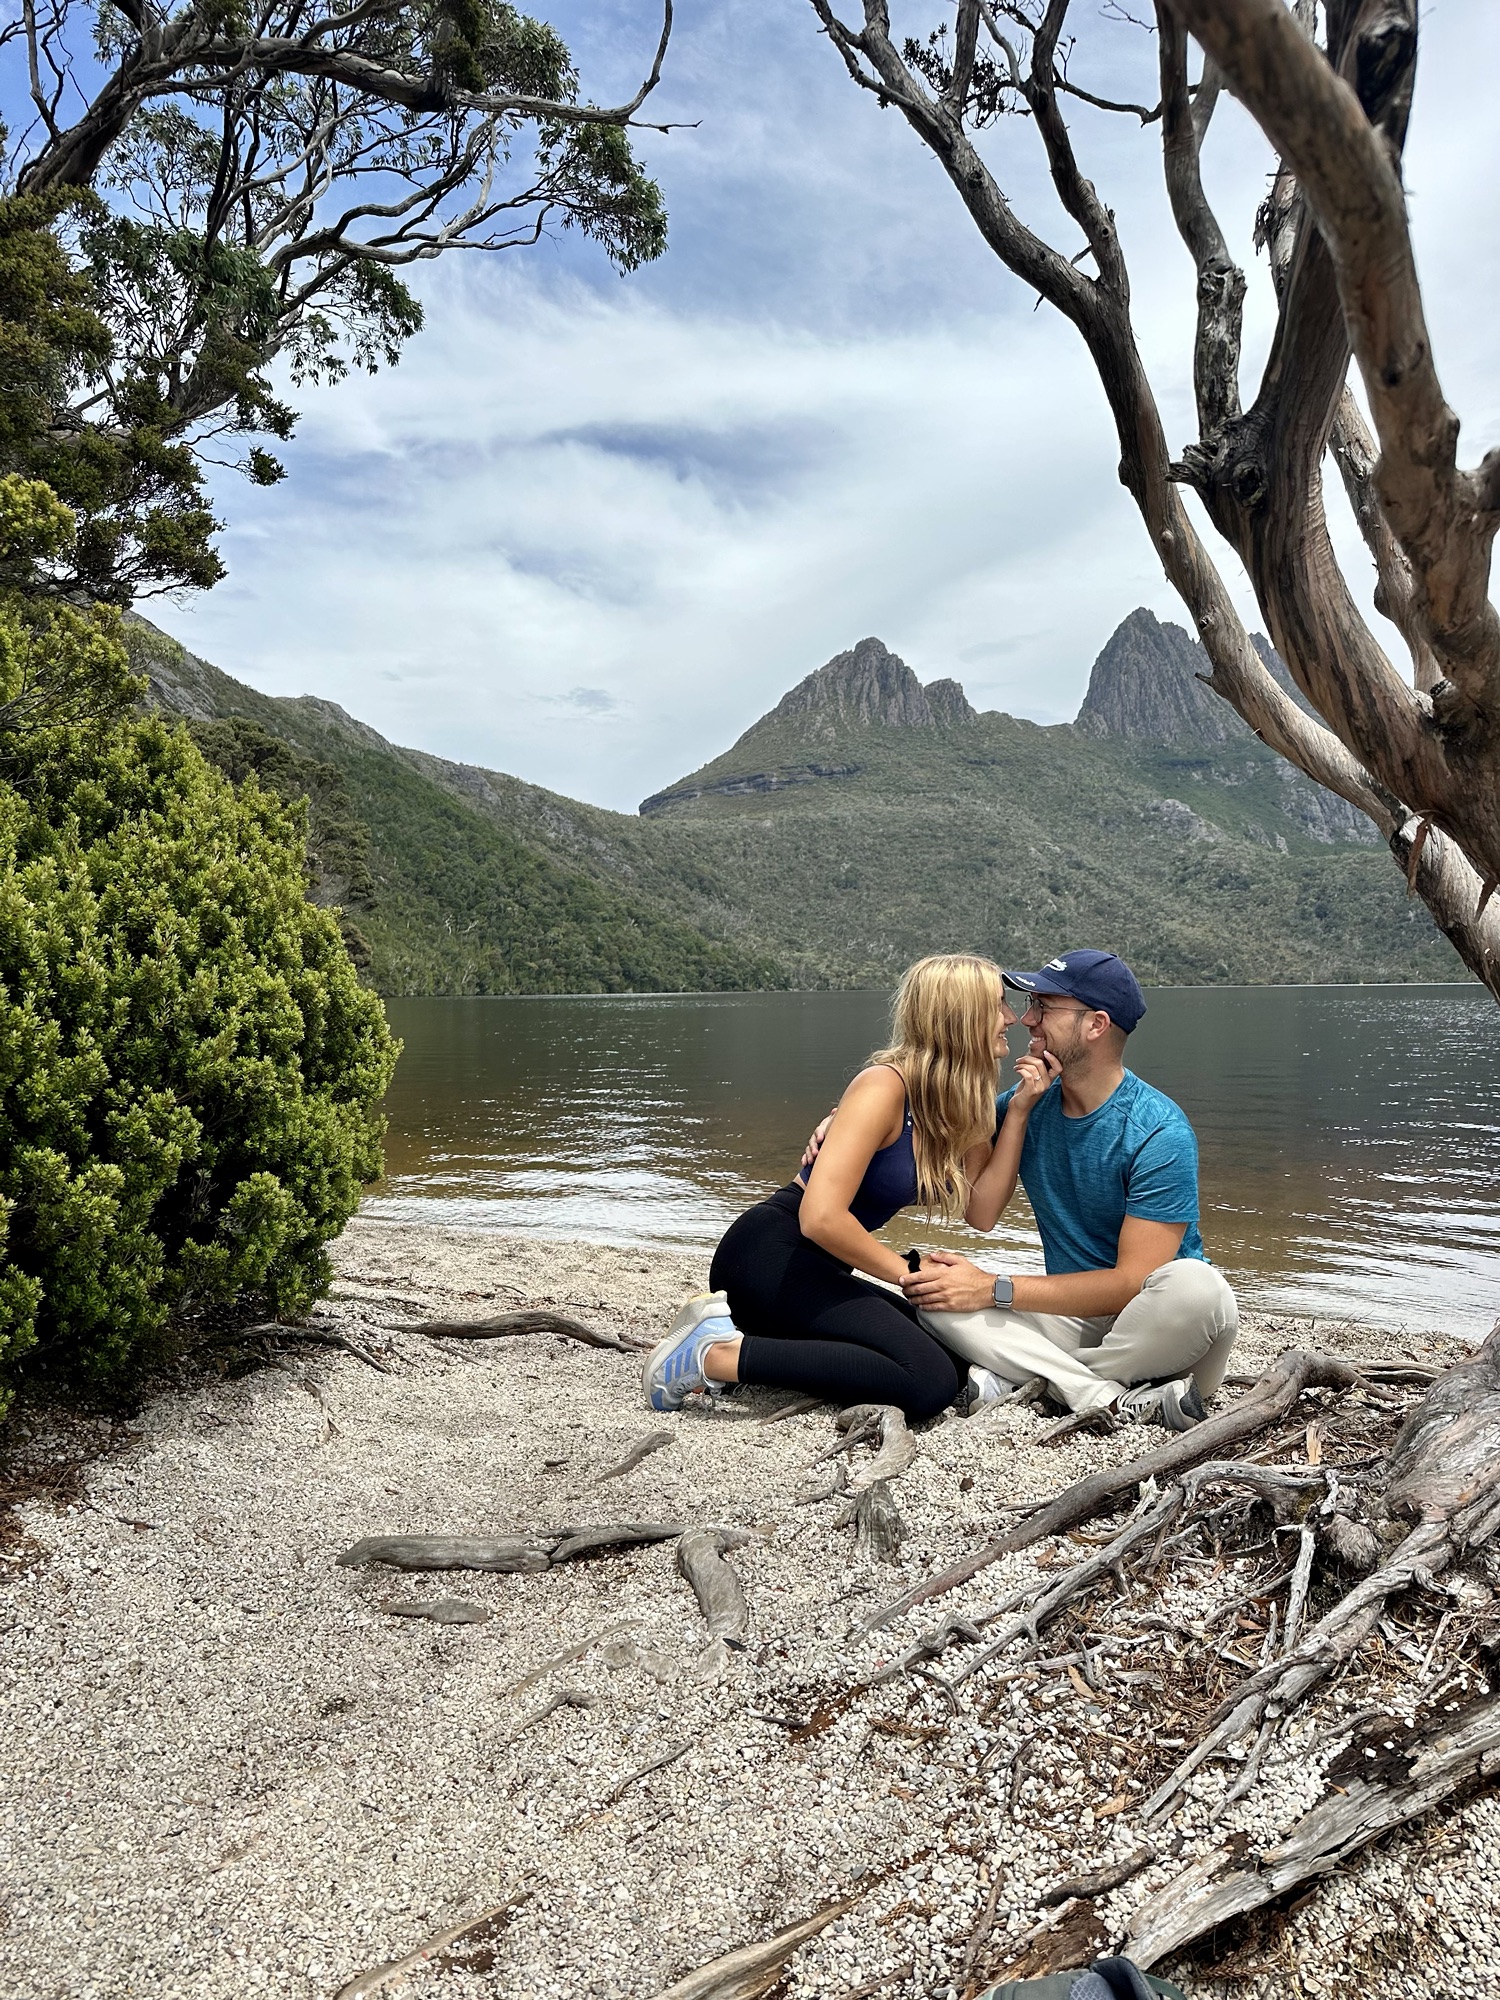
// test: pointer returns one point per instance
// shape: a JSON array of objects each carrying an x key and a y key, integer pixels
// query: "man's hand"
[
  {"x": 1036, "y": 1074},
  {"x": 948, "y": 1283},
  {"x": 815, "y": 1143}
]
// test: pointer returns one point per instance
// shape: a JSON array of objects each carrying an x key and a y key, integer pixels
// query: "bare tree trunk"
[{"x": 1421, "y": 760}]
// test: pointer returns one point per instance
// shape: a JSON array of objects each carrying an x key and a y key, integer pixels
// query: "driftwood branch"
[
  {"x": 1358, "y": 1807},
  {"x": 754, "y": 1969},
  {"x": 538, "y": 1550},
  {"x": 500, "y": 1326},
  {"x": 367, "y": 1984},
  {"x": 1275, "y": 1394}
]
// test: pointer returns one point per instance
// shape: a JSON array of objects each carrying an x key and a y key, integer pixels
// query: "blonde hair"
[{"x": 943, "y": 1023}]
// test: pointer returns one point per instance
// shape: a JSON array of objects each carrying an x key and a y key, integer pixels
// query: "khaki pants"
[{"x": 1183, "y": 1321}]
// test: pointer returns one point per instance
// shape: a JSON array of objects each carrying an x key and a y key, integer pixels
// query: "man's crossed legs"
[{"x": 1182, "y": 1322}]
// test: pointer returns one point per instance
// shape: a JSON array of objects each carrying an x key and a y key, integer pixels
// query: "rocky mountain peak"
[
  {"x": 1149, "y": 682},
  {"x": 871, "y": 685}
]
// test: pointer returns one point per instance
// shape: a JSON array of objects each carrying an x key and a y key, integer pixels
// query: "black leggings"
[{"x": 809, "y": 1324}]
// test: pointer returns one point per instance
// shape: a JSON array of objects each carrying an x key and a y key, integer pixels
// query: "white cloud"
[{"x": 588, "y": 531}]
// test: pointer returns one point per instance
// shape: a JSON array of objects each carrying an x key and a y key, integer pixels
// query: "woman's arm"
[
  {"x": 993, "y": 1171},
  {"x": 871, "y": 1113}
]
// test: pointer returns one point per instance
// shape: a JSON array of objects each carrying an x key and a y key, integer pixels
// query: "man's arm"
[{"x": 950, "y": 1283}]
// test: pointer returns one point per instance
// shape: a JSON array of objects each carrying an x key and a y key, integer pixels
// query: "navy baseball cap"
[{"x": 1097, "y": 978}]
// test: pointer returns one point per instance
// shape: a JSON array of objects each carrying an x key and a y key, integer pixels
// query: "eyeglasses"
[{"x": 1050, "y": 1008}]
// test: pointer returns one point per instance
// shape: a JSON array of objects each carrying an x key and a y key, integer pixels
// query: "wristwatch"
[{"x": 1005, "y": 1291}]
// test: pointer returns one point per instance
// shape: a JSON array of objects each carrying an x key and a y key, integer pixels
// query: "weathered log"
[
  {"x": 1365, "y": 1799},
  {"x": 754, "y": 1969},
  {"x": 441, "y": 1610},
  {"x": 524, "y": 1552},
  {"x": 436, "y": 1552},
  {"x": 500, "y": 1326},
  {"x": 317, "y": 1336}
]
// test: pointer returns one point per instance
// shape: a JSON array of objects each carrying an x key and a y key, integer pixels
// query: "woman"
[{"x": 917, "y": 1126}]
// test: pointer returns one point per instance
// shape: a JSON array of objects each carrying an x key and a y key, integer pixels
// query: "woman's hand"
[
  {"x": 1036, "y": 1075},
  {"x": 814, "y": 1145},
  {"x": 947, "y": 1282}
]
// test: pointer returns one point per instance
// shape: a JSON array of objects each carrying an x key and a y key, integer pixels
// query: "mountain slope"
[
  {"x": 451, "y": 900},
  {"x": 864, "y": 820}
]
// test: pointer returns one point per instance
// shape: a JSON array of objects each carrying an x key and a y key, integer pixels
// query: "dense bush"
[{"x": 190, "y": 1072}]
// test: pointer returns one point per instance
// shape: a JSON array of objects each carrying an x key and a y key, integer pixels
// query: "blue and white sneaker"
[{"x": 673, "y": 1369}]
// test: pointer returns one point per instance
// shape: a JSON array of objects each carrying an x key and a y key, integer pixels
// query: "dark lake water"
[{"x": 1350, "y": 1136}]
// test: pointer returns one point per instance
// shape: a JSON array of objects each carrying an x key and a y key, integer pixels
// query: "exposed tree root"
[
  {"x": 1275, "y": 1393},
  {"x": 499, "y": 1326},
  {"x": 317, "y": 1336},
  {"x": 642, "y": 1448},
  {"x": 1363, "y": 1801},
  {"x": 754, "y": 1969},
  {"x": 525, "y": 1552},
  {"x": 367, "y": 1984},
  {"x": 441, "y": 1610},
  {"x": 1285, "y": 1536},
  {"x": 720, "y": 1594}
]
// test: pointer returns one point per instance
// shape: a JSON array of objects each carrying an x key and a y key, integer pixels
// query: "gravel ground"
[{"x": 226, "y": 1770}]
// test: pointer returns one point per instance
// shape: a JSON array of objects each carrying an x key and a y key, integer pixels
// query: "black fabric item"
[
  {"x": 809, "y": 1324},
  {"x": 1105, "y": 1979}
]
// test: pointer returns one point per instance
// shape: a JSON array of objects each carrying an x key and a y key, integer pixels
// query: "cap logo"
[{"x": 1057, "y": 965}]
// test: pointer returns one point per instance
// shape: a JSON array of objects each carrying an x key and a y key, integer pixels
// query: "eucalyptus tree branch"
[
  {"x": 1221, "y": 282},
  {"x": 1445, "y": 519},
  {"x": 187, "y": 53},
  {"x": 1354, "y": 453}
]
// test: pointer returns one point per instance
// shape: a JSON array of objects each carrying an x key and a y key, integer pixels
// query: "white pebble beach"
[{"x": 226, "y": 1770}]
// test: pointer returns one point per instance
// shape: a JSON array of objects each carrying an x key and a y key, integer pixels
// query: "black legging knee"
[{"x": 809, "y": 1324}]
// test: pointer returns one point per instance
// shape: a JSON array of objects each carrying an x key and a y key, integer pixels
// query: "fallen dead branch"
[
  {"x": 1364, "y": 1800},
  {"x": 1276, "y": 1392},
  {"x": 614, "y": 1797},
  {"x": 521, "y": 1552},
  {"x": 642, "y": 1448},
  {"x": 1099, "y": 1881},
  {"x": 381, "y": 1976},
  {"x": 754, "y": 1969},
  {"x": 501, "y": 1326}
]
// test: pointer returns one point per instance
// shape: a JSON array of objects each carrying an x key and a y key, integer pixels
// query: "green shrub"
[{"x": 190, "y": 1072}]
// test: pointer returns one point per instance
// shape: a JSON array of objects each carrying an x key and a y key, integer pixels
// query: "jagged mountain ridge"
[
  {"x": 1146, "y": 687},
  {"x": 863, "y": 820}
]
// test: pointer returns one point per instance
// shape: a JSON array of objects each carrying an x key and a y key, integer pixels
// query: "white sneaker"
[
  {"x": 673, "y": 1370},
  {"x": 981, "y": 1390},
  {"x": 1176, "y": 1405}
]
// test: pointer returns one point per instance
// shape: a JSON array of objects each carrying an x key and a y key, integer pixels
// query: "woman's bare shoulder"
[{"x": 880, "y": 1084}]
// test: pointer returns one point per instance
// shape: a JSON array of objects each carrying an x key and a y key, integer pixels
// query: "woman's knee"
[{"x": 934, "y": 1385}]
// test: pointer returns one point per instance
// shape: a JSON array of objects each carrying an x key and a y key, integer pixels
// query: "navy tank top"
[{"x": 890, "y": 1182}]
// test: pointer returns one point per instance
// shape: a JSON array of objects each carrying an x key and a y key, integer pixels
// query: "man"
[{"x": 1130, "y": 1315}]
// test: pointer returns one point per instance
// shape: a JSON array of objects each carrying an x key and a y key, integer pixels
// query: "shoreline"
[{"x": 228, "y": 1770}]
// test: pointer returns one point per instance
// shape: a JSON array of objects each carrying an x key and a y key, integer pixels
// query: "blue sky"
[{"x": 591, "y": 527}]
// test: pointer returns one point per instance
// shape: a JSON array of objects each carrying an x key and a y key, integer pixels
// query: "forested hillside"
[{"x": 864, "y": 820}]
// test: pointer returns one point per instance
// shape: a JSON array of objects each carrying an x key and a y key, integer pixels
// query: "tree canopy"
[{"x": 232, "y": 198}]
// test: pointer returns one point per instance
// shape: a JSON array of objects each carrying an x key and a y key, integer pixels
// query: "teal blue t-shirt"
[{"x": 1135, "y": 1155}]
